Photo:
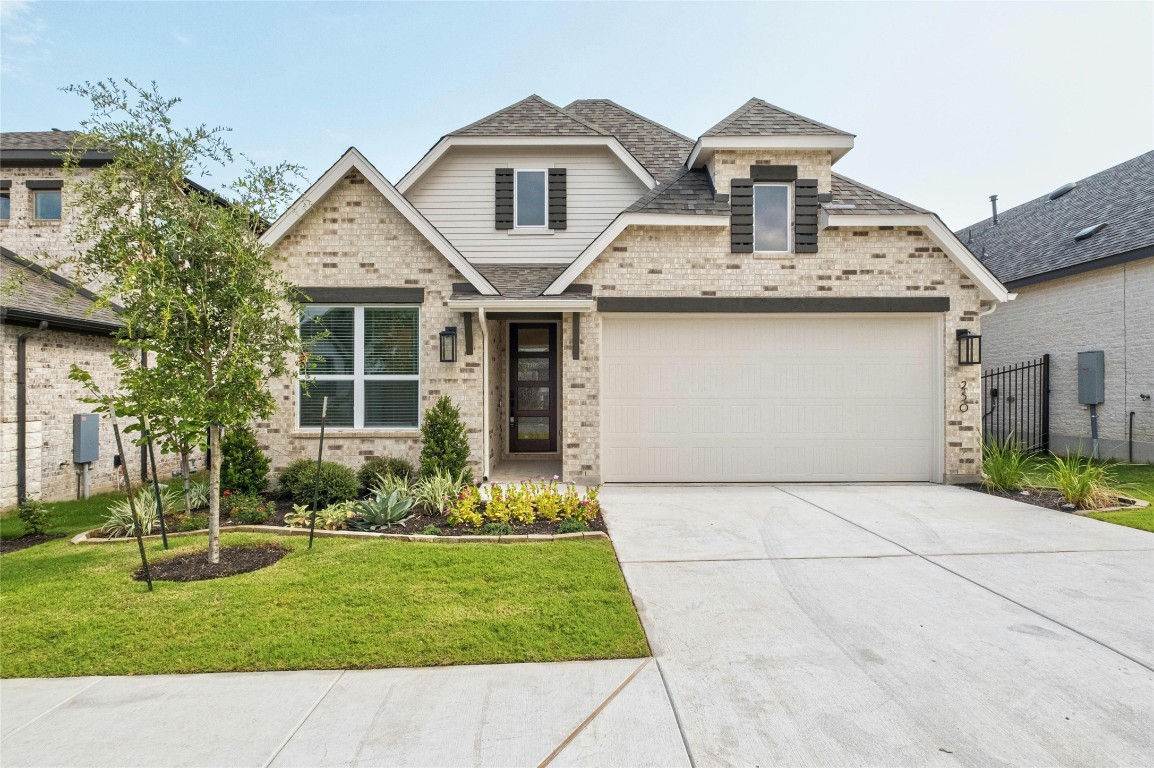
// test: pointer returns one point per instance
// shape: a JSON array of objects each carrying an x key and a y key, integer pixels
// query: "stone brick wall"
[
  {"x": 695, "y": 261},
  {"x": 726, "y": 165},
  {"x": 353, "y": 237},
  {"x": 1109, "y": 309}
]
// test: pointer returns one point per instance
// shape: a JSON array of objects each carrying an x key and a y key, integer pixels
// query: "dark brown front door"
[{"x": 532, "y": 387}]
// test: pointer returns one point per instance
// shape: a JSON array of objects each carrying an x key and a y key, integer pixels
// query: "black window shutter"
[
  {"x": 741, "y": 216},
  {"x": 805, "y": 214},
  {"x": 558, "y": 209},
  {"x": 503, "y": 212}
]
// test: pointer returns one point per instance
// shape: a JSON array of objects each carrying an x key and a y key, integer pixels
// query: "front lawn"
[
  {"x": 68, "y": 517},
  {"x": 1134, "y": 480},
  {"x": 68, "y": 610},
  {"x": 1143, "y": 519}
]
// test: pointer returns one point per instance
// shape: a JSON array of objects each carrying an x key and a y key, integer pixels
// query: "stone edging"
[
  {"x": 523, "y": 538},
  {"x": 1135, "y": 504}
]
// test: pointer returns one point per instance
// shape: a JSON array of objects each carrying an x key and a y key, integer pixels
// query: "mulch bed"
[
  {"x": 194, "y": 566},
  {"x": 1043, "y": 497},
  {"x": 26, "y": 541}
]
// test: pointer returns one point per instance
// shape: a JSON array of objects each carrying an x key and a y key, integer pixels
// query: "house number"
[{"x": 965, "y": 406}]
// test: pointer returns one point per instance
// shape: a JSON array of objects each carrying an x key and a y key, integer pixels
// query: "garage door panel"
[{"x": 768, "y": 399}]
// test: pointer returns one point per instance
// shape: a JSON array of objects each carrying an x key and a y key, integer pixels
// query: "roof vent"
[
  {"x": 1062, "y": 190},
  {"x": 1090, "y": 231}
]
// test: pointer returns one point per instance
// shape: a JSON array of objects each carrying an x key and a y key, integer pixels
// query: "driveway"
[{"x": 891, "y": 625}]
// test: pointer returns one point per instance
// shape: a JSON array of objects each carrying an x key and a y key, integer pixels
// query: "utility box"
[
  {"x": 85, "y": 437},
  {"x": 1091, "y": 377}
]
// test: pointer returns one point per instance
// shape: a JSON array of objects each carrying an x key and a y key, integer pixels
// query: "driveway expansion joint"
[
  {"x": 300, "y": 723},
  {"x": 52, "y": 709}
]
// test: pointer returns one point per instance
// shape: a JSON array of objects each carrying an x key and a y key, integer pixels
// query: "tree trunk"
[
  {"x": 214, "y": 494},
  {"x": 184, "y": 475}
]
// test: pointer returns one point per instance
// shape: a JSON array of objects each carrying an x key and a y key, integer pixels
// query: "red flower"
[{"x": 226, "y": 493}]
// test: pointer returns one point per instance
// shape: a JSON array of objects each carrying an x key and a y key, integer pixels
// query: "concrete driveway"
[{"x": 891, "y": 625}]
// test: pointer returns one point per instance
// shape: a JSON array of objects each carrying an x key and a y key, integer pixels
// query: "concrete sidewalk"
[{"x": 592, "y": 713}]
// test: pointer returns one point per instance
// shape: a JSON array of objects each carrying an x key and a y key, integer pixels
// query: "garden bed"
[
  {"x": 194, "y": 566},
  {"x": 25, "y": 541},
  {"x": 1051, "y": 498}
]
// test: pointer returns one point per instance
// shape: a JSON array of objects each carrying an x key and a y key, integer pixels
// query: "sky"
[{"x": 950, "y": 101}]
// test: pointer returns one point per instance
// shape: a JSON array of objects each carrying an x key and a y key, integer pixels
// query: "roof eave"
[{"x": 838, "y": 145}]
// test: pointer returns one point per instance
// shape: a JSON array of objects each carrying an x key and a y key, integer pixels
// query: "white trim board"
[
  {"x": 541, "y": 304},
  {"x": 838, "y": 145},
  {"x": 618, "y": 225},
  {"x": 351, "y": 159},
  {"x": 444, "y": 145},
  {"x": 990, "y": 287}
]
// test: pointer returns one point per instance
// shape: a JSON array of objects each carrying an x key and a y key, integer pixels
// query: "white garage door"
[{"x": 770, "y": 398}]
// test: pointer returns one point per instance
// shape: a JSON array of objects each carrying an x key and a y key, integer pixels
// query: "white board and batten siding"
[
  {"x": 771, "y": 398},
  {"x": 457, "y": 195}
]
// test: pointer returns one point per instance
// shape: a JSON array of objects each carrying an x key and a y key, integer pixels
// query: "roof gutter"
[{"x": 22, "y": 411}]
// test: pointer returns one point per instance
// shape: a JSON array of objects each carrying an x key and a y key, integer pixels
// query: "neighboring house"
[
  {"x": 1081, "y": 261},
  {"x": 629, "y": 304},
  {"x": 36, "y": 225}
]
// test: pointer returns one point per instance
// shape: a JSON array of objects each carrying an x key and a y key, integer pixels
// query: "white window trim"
[
  {"x": 534, "y": 227},
  {"x": 788, "y": 216},
  {"x": 36, "y": 193},
  {"x": 359, "y": 377}
]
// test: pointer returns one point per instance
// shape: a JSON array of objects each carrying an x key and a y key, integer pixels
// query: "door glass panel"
[
  {"x": 533, "y": 369},
  {"x": 533, "y": 428},
  {"x": 532, "y": 398},
  {"x": 532, "y": 339}
]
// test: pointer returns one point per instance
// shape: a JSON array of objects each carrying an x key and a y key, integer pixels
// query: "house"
[
  {"x": 39, "y": 401},
  {"x": 1081, "y": 260},
  {"x": 609, "y": 300}
]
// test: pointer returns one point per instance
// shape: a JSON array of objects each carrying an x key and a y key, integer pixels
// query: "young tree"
[{"x": 198, "y": 289}]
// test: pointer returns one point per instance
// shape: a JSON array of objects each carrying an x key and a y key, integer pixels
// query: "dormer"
[{"x": 531, "y": 183}]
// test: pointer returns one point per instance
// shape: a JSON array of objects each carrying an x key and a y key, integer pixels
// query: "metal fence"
[{"x": 1017, "y": 402}]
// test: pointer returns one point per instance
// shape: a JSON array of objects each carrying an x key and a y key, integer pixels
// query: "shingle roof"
[
  {"x": 689, "y": 192},
  {"x": 31, "y": 292},
  {"x": 760, "y": 118},
  {"x": 865, "y": 199},
  {"x": 521, "y": 281},
  {"x": 532, "y": 116},
  {"x": 52, "y": 141},
  {"x": 1037, "y": 237},
  {"x": 661, "y": 150}
]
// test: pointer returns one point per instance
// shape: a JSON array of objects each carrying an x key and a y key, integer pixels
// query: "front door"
[{"x": 532, "y": 387}]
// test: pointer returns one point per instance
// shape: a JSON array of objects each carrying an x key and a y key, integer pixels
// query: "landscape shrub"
[
  {"x": 465, "y": 508},
  {"x": 338, "y": 482},
  {"x": 35, "y": 514},
  {"x": 1004, "y": 465},
  {"x": 430, "y": 530},
  {"x": 522, "y": 504},
  {"x": 246, "y": 508},
  {"x": 120, "y": 521},
  {"x": 376, "y": 467},
  {"x": 244, "y": 467},
  {"x": 497, "y": 529},
  {"x": 433, "y": 492},
  {"x": 334, "y": 517},
  {"x": 446, "y": 442},
  {"x": 382, "y": 511},
  {"x": 197, "y": 494},
  {"x": 572, "y": 525},
  {"x": 1085, "y": 483},
  {"x": 386, "y": 484}
]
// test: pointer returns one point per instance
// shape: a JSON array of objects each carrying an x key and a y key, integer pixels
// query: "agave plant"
[{"x": 382, "y": 511}]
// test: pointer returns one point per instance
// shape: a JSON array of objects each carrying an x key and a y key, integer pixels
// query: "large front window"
[
  {"x": 530, "y": 198},
  {"x": 367, "y": 360},
  {"x": 771, "y": 218}
]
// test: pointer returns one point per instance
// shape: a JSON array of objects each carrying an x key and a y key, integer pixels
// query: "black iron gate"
[{"x": 1017, "y": 402}]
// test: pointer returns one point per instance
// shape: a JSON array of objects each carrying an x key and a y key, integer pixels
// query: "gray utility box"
[
  {"x": 1091, "y": 377},
  {"x": 85, "y": 437}
]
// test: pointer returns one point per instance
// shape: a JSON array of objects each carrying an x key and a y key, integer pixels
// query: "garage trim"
[{"x": 773, "y": 305}]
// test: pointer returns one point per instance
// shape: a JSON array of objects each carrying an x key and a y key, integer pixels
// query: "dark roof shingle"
[
  {"x": 689, "y": 192},
  {"x": 521, "y": 281},
  {"x": 45, "y": 141},
  {"x": 867, "y": 200},
  {"x": 661, "y": 150},
  {"x": 760, "y": 118},
  {"x": 1035, "y": 238},
  {"x": 532, "y": 116},
  {"x": 30, "y": 291}
]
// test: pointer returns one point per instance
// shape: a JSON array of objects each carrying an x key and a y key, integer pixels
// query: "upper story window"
[
  {"x": 771, "y": 215},
  {"x": 5, "y": 201},
  {"x": 530, "y": 199},
  {"x": 367, "y": 362}
]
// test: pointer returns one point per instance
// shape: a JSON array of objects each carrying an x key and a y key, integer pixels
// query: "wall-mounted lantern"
[
  {"x": 449, "y": 345},
  {"x": 969, "y": 348}
]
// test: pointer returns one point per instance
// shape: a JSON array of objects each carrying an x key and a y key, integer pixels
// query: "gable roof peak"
[
  {"x": 531, "y": 116},
  {"x": 758, "y": 117}
]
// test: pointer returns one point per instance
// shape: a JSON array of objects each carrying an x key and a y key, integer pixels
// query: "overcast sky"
[{"x": 950, "y": 101}]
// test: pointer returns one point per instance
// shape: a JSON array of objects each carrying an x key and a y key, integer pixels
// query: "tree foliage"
[
  {"x": 446, "y": 446},
  {"x": 198, "y": 290}
]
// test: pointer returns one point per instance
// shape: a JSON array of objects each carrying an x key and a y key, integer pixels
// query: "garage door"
[{"x": 769, "y": 398}]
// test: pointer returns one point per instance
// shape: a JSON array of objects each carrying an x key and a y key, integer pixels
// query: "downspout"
[
  {"x": 484, "y": 394},
  {"x": 21, "y": 411}
]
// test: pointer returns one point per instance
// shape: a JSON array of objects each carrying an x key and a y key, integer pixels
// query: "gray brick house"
[
  {"x": 1081, "y": 261},
  {"x": 610, "y": 300}
]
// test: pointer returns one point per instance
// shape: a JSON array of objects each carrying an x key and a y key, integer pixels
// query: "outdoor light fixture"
[
  {"x": 969, "y": 348},
  {"x": 449, "y": 345}
]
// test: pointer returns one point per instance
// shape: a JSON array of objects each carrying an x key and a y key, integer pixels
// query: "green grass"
[
  {"x": 70, "y": 517},
  {"x": 68, "y": 610},
  {"x": 1142, "y": 519}
]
